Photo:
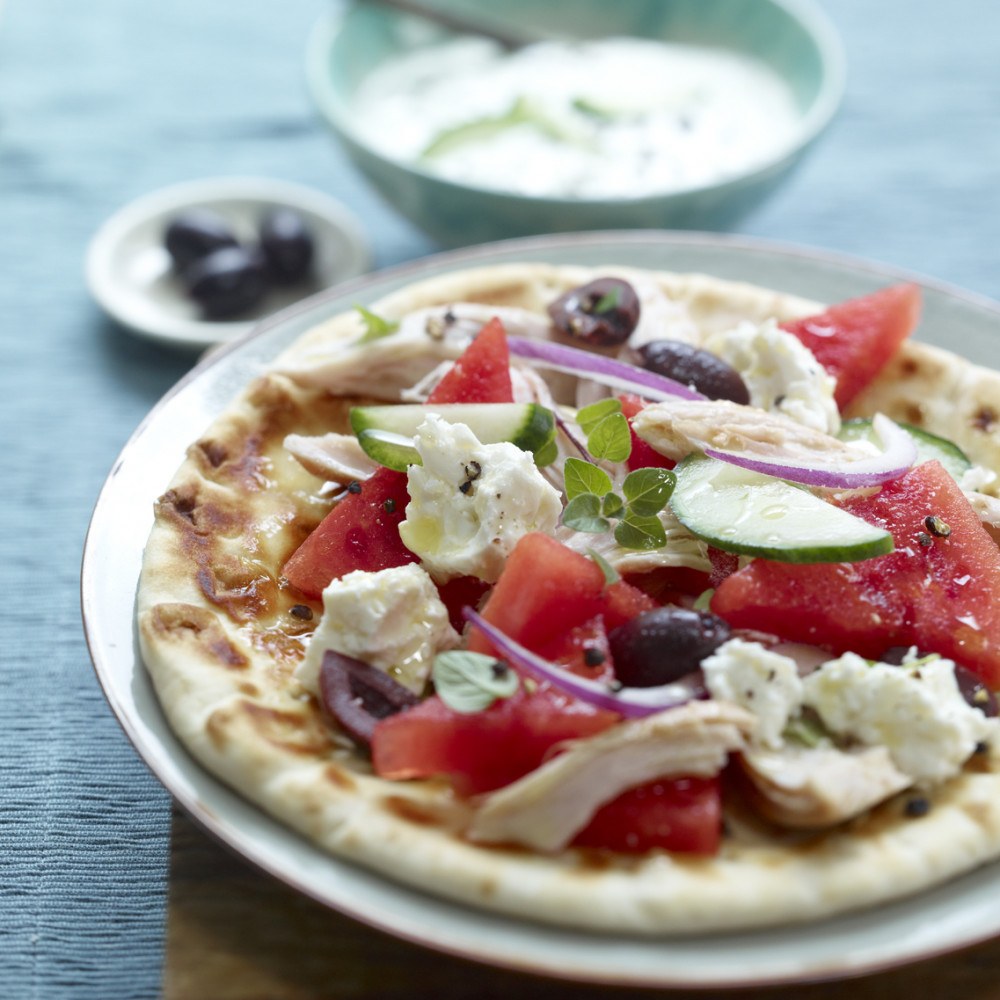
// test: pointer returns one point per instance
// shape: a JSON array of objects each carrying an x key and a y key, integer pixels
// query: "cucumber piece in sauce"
[
  {"x": 385, "y": 433},
  {"x": 752, "y": 514}
]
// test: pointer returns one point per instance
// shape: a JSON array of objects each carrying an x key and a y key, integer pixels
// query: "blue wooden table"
[{"x": 104, "y": 101}]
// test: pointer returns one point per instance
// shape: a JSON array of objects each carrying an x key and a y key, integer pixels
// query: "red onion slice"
[
  {"x": 630, "y": 702},
  {"x": 899, "y": 453},
  {"x": 607, "y": 371}
]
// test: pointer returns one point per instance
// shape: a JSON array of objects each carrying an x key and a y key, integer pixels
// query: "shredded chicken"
[
  {"x": 545, "y": 809},
  {"x": 337, "y": 458},
  {"x": 682, "y": 548},
  {"x": 677, "y": 427},
  {"x": 814, "y": 787},
  {"x": 987, "y": 508},
  {"x": 386, "y": 366}
]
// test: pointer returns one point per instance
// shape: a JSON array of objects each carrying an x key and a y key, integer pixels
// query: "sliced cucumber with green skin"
[
  {"x": 386, "y": 432},
  {"x": 756, "y": 515},
  {"x": 929, "y": 446}
]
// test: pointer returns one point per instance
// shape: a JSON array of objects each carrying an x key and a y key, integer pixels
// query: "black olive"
[
  {"x": 227, "y": 282},
  {"x": 195, "y": 233},
  {"x": 357, "y": 695},
  {"x": 287, "y": 245},
  {"x": 975, "y": 692},
  {"x": 692, "y": 366},
  {"x": 603, "y": 313},
  {"x": 663, "y": 645}
]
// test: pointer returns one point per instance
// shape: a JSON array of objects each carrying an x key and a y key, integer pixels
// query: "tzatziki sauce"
[{"x": 606, "y": 119}]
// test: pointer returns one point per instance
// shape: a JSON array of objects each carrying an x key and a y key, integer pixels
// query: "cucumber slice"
[
  {"x": 386, "y": 432},
  {"x": 756, "y": 515},
  {"x": 929, "y": 446}
]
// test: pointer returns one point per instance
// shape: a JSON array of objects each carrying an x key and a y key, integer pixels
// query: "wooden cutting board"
[{"x": 236, "y": 934}]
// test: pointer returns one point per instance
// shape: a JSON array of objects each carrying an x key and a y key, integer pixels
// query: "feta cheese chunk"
[
  {"x": 471, "y": 502},
  {"x": 915, "y": 710},
  {"x": 765, "y": 683},
  {"x": 780, "y": 372},
  {"x": 393, "y": 620}
]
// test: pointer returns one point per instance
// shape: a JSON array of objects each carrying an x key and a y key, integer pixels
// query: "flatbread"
[{"x": 221, "y": 640}]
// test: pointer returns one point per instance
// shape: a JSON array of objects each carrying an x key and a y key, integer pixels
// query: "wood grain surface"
[{"x": 236, "y": 934}]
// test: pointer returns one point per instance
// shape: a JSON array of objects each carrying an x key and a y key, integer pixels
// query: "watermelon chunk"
[
  {"x": 854, "y": 339},
  {"x": 935, "y": 593},
  {"x": 361, "y": 532},
  {"x": 482, "y": 373}
]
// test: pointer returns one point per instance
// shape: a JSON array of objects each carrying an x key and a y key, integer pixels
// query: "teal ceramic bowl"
[{"x": 793, "y": 37}]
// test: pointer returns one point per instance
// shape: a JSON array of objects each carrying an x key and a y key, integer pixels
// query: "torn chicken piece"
[
  {"x": 682, "y": 548},
  {"x": 337, "y": 458},
  {"x": 386, "y": 366},
  {"x": 545, "y": 809},
  {"x": 814, "y": 787},
  {"x": 676, "y": 427}
]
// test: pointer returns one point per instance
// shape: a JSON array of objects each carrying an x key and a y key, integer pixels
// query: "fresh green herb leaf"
[
  {"x": 612, "y": 505},
  {"x": 610, "y": 440},
  {"x": 805, "y": 729},
  {"x": 590, "y": 416},
  {"x": 470, "y": 682},
  {"x": 547, "y": 454},
  {"x": 648, "y": 490},
  {"x": 639, "y": 532},
  {"x": 375, "y": 326},
  {"x": 611, "y": 575},
  {"x": 585, "y": 477},
  {"x": 607, "y": 302},
  {"x": 583, "y": 513},
  {"x": 704, "y": 599}
]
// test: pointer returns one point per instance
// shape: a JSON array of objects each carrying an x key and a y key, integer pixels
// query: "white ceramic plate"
[
  {"x": 129, "y": 271},
  {"x": 960, "y": 913}
]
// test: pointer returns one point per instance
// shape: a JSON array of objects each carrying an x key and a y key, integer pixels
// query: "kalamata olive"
[
  {"x": 195, "y": 233},
  {"x": 975, "y": 692},
  {"x": 662, "y": 645},
  {"x": 603, "y": 313},
  {"x": 357, "y": 695},
  {"x": 287, "y": 245},
  {"x": 227, "y": 282},
  {"x": 696, "y": 368}
]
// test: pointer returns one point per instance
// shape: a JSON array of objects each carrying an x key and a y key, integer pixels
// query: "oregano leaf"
[
  {"x": 648, "y": 490},
  {"x": 375, "y": 326},
  {"x": 585, "y": 477},
  {"x": 640, "y": 532},
  {"x": 588, "y": 417},
  {"x": 470, "y": 682},
  {"x": 583, "y": 513},
  {"x": 610, "y": 440},
  {"x": 612, "y": 505},
  {"x": 611, "y": 575}
]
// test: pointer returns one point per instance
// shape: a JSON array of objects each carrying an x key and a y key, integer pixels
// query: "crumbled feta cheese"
[
  {"x": 392, "y": 620},
  {"x": 471, "y": 502},
  {"x": 977, "y": 478},
  {"x": 780, "y": 372},
  {"x": 766, "y": 684},
  {"x": 915, "y": 710}
]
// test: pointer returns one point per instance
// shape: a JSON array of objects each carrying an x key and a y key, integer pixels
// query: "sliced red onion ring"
[
  {"x": 899, "y": 453},
  {"x": 633, "y": 703},
  {"x": 607, "y": 371}
]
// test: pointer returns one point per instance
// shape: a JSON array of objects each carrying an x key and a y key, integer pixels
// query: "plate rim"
[{"x": 215, "y": 825}]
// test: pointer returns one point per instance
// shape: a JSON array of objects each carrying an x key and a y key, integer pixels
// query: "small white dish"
[{"x": 130, "y": 275}]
